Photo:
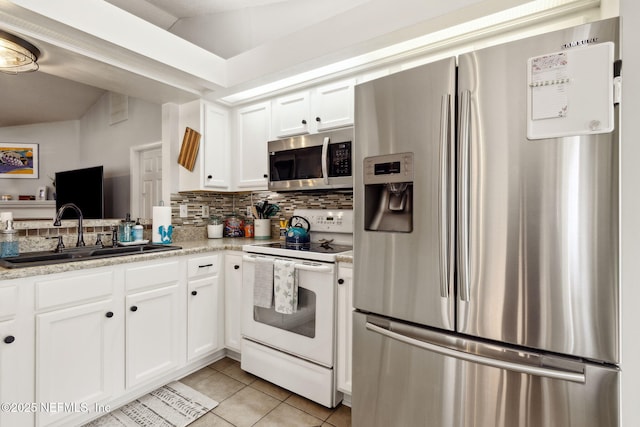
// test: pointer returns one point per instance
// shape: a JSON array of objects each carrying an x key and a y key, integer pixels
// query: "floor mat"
[{"x": 173, "y": 405}]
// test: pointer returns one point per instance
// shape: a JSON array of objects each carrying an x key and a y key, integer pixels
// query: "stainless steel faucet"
[{"x": 56, "y": 222}]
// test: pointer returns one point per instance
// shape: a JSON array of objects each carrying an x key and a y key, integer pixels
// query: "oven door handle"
[{"x": 306, "y": 266}]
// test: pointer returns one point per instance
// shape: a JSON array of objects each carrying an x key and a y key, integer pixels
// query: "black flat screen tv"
[{"x": 83, "y": 187}]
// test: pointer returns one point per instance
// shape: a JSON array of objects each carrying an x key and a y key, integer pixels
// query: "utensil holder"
[{"x": 262, "y": 229}]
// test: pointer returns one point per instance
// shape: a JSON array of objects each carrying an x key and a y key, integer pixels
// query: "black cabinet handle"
[
  {"x": 235, "y": 267},
  {"x": 304, "y": 122},
  {"x": 265, "y": 176},
  {"x": 209, "y": 176},
  {"x": 9, "y": 339},
  {"x": 194, "y": 293},
  {"x": 318, "y": 119},
  {"x": 109, "y": 314},
  {"x": 205, "y": 265},
  {"x": 340, "y": 281},
  {"x": 134, "y": 308}
]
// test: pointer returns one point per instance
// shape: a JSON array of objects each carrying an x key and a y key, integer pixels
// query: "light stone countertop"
[{"x": 188, "y": 248}]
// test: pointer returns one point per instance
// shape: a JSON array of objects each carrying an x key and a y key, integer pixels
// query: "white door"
[
  {"x": 145, "y": 169},
  {"x": 150, "y": 181}
]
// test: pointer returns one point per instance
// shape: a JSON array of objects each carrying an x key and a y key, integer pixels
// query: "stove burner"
[{"x": 326, "y": 244}]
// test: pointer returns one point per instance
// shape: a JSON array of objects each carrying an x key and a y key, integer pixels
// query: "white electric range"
[{"x": 297, "y": 351}]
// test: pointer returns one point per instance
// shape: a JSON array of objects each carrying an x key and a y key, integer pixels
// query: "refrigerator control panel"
[{"x": 388, "y": 168}]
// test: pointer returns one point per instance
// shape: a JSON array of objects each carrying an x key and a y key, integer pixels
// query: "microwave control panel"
[{"x": 340, "y": 159}]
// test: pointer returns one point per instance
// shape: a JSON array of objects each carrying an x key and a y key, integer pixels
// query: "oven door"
[{"x": 307, "y": 333}]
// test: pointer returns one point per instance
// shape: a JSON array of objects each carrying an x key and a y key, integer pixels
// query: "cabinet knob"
[
  {"x": 304, "y": 122},
  {"x": 134, "y": 308},
  {"x": 340, "y": 281},
  {"x": 194, "y": 293},
  {"x": 209, "y": 176},
  {"x": 265, "y": 176},
  {"x": 318, "y": 119},
  {"x": 9, "y": 339},
  {"x": 235, "y": 267},
  {"x": 109, "y": 314}
]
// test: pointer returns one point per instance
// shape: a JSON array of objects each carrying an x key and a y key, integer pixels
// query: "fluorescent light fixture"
[{"x": 17, "y": 55}]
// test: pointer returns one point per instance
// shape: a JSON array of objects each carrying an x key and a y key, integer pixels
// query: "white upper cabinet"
[
  {"x": 216, "y": 147},
  {"x": 253, "y": 129},
  {"x": 292, "y": 114},
  {"x": 325, "y": 107},
  {"x": 334, "y": 105}
]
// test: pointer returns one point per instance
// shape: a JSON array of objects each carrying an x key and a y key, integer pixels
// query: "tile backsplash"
[
  {"x": 221, "y": 204},
  {"x": 36, "y": 235}
]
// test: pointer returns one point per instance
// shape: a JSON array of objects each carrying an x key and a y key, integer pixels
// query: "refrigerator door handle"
[
  {"x": 325, "y": 160},
  {"x": 474, "y": 358},
  {"x": 444, "y": 197},
  {"x": 463, "y": 196}
]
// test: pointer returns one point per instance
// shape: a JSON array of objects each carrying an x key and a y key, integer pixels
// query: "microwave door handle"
[{"x": 325, "y": 160}]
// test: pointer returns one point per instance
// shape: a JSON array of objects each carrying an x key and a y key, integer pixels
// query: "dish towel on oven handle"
[
  {"x": 263, "y": 283},
  {"x": 285, "y": 286}
]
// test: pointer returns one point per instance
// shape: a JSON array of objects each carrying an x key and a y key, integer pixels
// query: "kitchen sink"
[{"x": 33, "y": 259}]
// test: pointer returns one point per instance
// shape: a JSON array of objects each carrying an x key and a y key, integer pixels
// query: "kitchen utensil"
[{"x": 298, "y": 231}]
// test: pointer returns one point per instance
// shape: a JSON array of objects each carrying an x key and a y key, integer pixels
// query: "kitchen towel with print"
[
  {"x": 285, "y": 286},
  {"x": 263, "y": 283}
]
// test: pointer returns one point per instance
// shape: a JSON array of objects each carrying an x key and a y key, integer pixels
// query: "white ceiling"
[
  {"x": 257, "y": 41},
  {"x": 40, "y": 97}
]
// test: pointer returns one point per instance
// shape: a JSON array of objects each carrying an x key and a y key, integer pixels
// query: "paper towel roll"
[{"x": 161, "y": 218}]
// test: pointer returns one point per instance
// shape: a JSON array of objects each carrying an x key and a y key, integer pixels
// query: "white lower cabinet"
[
  {"x": 345, "y": 313},
  {"x": 78, "y": 325},
  {"x": 233, "y": 300},
  {"x": 16, "y": 353},
  {"x": 205, "y": 307},
  {"x": 73, "y": 343},
  {"x": 155, "y": 321}
]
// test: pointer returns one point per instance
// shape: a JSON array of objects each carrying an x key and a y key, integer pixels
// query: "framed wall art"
[{"x": 18, "y": 160}]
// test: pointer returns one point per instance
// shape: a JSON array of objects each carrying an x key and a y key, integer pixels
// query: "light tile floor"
[{"x": 246, "y": 400}]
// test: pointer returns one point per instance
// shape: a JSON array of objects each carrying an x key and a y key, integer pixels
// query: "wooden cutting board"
[{"x": 189, "y": 149}]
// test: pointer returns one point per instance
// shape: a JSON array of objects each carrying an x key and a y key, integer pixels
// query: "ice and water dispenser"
[{"x": 388, "y": 193}]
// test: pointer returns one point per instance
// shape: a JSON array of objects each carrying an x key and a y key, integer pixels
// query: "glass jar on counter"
[
  {"x": 9, "y": 245},
  {"x": 215, "y": 227},
  {"x": 233, "y": 225}
]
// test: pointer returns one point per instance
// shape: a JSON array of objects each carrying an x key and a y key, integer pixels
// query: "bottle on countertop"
[
  {"x": 137, "y": 231},
  {"x": 9, "y": 245},
  {"x": 126, "y": 228}
]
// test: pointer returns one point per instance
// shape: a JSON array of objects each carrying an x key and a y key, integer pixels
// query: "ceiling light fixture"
[{"x": 17, "y": 55}]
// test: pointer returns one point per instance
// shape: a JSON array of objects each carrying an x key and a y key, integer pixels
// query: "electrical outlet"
[
  {"x": 205, "y": 211},
  {"x": 184, "y": 212}
]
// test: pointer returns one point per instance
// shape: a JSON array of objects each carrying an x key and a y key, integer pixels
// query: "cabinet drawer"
[
  {"x": 204, "y": 265},
  {"x": 152, "y": 275},
  {"x": 75, "y": 289},
  {"x": 8, "y": 301}
]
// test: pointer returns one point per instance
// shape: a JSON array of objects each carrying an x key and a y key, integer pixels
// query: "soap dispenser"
[{"x": 9, "y": 245}]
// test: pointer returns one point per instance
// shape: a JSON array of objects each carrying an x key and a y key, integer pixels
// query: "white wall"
[
  {"x": 90, "y": 141},
  {"x": 59, "y": 149},
  {"x": 630, "y": 213},
  {"x": 108, "y": 145}
]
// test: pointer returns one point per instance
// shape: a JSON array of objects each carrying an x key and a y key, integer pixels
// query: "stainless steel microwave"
[{"x": 312, "y": 162}]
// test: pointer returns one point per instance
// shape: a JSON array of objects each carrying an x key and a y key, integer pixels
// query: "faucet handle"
[
  {"x": 99, "y": 240},
  {"x": 60, "y": 245}
]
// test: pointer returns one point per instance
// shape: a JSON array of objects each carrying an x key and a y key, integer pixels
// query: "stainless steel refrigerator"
[{"x": 486, "y": 238}]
